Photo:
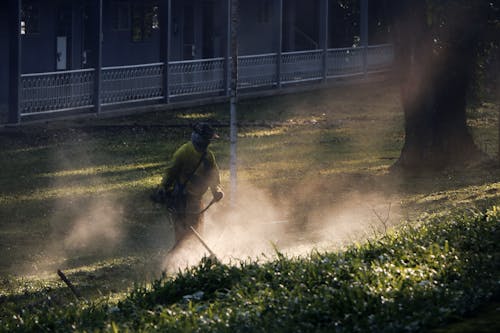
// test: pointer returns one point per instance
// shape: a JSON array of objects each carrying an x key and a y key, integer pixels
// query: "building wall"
[
  {"x": 308, "y": 20},
  {"x": 186, "y": 41},
  {"x": 211, "y": 22},
  {"x": 257, "y": 27},
  {"x": 77, "y": 33},
  {"x": 39, "y": 49},
  {"x": 378, "y": 23},
  {"x": 198, "y": 29},
  {"x": 4, "y": 62},
  {"x": 176, "y": 30},
  {"x": 219, "y": 25},
  {"x": 344, "y": 27},
  {"x": 257, "y": 33},
  {"x": 301, "y": 25},
  {"x": 118, "y": 49}
]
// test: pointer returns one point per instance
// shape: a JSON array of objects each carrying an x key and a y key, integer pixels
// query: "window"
[
  {"x": 30, "y": 17},
  {"x": 144, "y": 21},
  {"x": 121, "y": 15},
  {"x": 264, "y": 14},
  {"x": 155, "y": 20}
]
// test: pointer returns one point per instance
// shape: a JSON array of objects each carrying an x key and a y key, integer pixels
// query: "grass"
[
  {"x": 317, "y": 156},
  {"x": 416, "y": 278}
]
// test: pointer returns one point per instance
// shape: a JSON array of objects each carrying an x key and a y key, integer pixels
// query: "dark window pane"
[
  {"x": 30, "y": 17},
  {"x": 137, "y": 23}
]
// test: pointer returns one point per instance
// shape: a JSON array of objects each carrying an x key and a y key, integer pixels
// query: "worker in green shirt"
[{"x": 189, "y": 174}]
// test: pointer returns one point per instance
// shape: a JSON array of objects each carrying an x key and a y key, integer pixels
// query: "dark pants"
[{"x": 186, "y": 217}]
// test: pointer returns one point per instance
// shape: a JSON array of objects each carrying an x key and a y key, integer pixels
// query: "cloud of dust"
[
  {"x": 249, "y": 230},
  {"x": 353, "y": 219},
  {"x": 81, "y": 225},
  {"x": 322, "y": 214},
  {"x": 259, "y": 227},
  {"x": 98, "y": 226}
]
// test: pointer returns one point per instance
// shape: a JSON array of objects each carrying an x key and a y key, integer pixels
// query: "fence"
[
  {"x": 127, "y": 84},
  {"x": 195, "y": 77},
  {"x": 57, "y": 91},
  {"x": 257, "y": 71},
  {"x": 70, "y": 90}
]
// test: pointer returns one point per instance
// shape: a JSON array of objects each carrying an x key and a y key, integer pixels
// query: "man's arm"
[
  {"x": 217, "y": 192},
  {"x": 215, "y": 186}
]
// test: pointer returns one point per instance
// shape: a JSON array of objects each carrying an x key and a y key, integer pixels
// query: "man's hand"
[{"x": 218, "y": 195}]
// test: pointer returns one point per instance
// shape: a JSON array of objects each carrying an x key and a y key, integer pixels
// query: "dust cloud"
[
  {"x": 97, "y": 228},
  {"x": 84, "y": 224},
  {"x": 93, "y": 222},
  {"x": 257, "y": 228}
]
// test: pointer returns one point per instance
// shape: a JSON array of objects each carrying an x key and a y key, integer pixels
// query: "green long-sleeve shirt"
[{"x": 182, "y": 164}]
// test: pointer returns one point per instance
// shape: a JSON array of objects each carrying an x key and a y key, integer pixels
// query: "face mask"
[{"x": 199, "y": 142}]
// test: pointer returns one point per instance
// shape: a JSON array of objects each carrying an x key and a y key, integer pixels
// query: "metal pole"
[
  {"x": 14, "y": 116},
  {"x": 227, "y": 56},
  {"x": 280, "y": 43},
  {"x": 324, "y": 22},
  {"x": 212, "y": 254},
  {"x": 69, "y": 284},
  {"x": 364, "y": 34},
  {"x": 165, "y": 22},
  {"x": 98, "y": 63},
  {"x": 234, "y": 98}
]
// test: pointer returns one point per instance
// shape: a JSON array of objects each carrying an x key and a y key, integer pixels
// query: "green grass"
[
  {"x": 410, "y": 280},
  {"x": 310, "y": 158}
]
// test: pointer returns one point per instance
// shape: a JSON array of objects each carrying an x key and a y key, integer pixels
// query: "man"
[{"x": 189, "y": 174}]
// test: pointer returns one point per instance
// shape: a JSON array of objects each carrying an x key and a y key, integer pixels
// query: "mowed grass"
[{"x": 74, "y": 194}]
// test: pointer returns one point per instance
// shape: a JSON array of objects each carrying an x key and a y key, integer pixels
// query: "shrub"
[{"x": 409, "y": 280}]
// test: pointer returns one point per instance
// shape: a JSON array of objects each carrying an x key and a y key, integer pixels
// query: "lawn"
[{"x": 313, "y": 172}]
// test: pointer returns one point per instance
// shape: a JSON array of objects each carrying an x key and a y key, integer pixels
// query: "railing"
[
  {"x": 257, "y": 70},
  {"x": 47, "y": 92},
  {"x": 344, "y": 62},
  {"x": 127, "y": 84},
  {"x": 379, "y": 56},
  {"x": 69, "y": 90},
  {"x": 195, "y": 77},
  {"x": 302, "y": 66}
]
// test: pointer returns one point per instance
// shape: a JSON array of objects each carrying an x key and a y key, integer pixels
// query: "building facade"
[{"x": 59, "y": 57}]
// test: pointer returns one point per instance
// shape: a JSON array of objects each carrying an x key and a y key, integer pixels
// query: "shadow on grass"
[{"x": 102, "y": 278}]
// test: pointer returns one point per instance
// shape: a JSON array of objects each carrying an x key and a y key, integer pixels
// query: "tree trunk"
[
  {"x": 434, "y": 85},
  {"x": 497, "y": 63}
]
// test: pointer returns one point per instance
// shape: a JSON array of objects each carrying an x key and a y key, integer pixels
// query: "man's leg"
[
  {"x": 183, "y": 223},
  {"x": 193, "y": 217}
]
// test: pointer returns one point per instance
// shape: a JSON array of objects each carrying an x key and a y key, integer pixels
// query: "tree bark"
[
  {"x": 498, "y": 106},
  {"x": 434, "y": 85},
  {"x": 497, "y": 66}
]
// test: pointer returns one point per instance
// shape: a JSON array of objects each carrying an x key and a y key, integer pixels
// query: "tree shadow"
[{"x": 97, "y": 279}]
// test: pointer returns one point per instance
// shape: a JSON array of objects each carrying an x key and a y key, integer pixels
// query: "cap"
[{"x": 205, "y": 130}]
